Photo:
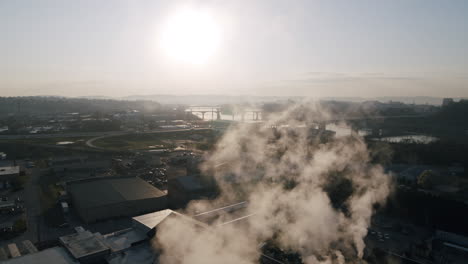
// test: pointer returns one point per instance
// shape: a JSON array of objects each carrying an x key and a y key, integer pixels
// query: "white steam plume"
[{"x": 308, "y": 194}]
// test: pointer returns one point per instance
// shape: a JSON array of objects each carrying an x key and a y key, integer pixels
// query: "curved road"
[{"x": 90, "y": 142}]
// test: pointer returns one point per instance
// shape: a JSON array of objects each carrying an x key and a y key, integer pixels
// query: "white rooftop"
[
  {"x": 152, "y": 220},
  {"x": 8, "y": 170}
]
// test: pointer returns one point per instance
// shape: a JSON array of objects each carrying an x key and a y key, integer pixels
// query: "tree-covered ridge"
[{"x": 51, "y": 105}]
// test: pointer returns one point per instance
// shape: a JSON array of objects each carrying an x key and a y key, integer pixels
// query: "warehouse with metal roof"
[{"x": 104, "y": 198}]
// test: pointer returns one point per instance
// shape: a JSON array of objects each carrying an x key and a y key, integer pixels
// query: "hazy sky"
[{"x": 312, "y": 48}]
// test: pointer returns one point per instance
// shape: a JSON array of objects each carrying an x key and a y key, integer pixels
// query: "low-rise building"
[
  {"x": 104, "y": 198},
  {"x": 183, "y": 189},
  {"x": 148, "y": 223},
  {"x": 86, "y": 247},
  {"x": 14, "y": 251},
  {"x": 7, "y": 206},
  {"x": 55, "y": 255},
  {"x": 7, "y": 175}
]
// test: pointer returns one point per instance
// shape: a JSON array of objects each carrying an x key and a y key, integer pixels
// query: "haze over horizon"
[{"x": 264, "y": 48}]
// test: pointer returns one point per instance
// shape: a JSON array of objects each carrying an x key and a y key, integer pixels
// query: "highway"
[
  {"x": 61, "y": 135},
  {"x": 90, "y": 142},
  {"x": 95, "y": 135}
]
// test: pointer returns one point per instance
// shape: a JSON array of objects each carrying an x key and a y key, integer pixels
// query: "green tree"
[
  {"x": 427, "y": 179},
  {"x": 19, "y": 225}
]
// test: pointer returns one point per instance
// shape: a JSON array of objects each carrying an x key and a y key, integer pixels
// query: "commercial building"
[
  {"x": 104, "y": 198},
  {"x": 88, "y": 247}
]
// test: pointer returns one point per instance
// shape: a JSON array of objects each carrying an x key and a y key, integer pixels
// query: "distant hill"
[
  {"x": 206, "y": 99},
  {"x": 226, "y": 99},
  {"x": 419, "y": 100},
  {"x": 51, "y": 105}
]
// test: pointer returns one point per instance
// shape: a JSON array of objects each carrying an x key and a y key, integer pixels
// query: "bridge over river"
[
  {"x": 216, "y": 113},
  {"x": 370, "y": 122}
]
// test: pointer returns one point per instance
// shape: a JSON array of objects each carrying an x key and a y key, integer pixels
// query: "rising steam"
[{"x": 308, "y": 193}]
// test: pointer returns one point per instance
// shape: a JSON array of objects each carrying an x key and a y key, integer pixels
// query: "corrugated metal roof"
[
  {"x": 152, "y": 220},
  {"x": 190, "y": 183},
  {"x": 110, "y": 191}
]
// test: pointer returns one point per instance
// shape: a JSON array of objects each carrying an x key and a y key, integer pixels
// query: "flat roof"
[
  {"x": 30, "y": 246},
  {"x": 14, "y": 251},
  {"x": 101, "y": 192},
  {"x": 84, "y": 243},
  {"x": 456, "y": 246},
  {"x": 56, "y": 255},
  {"x": 8, "y": 170},
  {"x": 123, "y": 239},
  {"x": 7, "y": 204},
  {"x": 152, "y": 220},
  {"x": 143, "y": 253},
  {"x": 190, "y": 183}
]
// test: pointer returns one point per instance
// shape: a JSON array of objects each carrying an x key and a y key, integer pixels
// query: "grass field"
[{"x": 144, "y": 141}]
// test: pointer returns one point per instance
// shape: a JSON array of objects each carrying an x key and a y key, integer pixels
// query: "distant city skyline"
[{"x": 261, "y": 48}]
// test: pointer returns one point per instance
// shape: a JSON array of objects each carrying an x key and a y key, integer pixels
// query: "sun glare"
[{"x": 190, "y": 36}]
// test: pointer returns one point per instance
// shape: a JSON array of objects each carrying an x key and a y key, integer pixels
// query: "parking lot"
[{"x": 21, "y": 208}]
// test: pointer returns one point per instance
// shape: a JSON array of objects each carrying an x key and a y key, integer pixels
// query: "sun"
[{"x": 190, "y": 36}]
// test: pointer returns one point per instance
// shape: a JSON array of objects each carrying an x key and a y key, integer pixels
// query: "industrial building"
[
  {"x": 126, "y": 246},
  {"x": 55, "y": 255},
  {"x": 7, "y": 175},
  {"x": 452, "y": 247},
  {"x": 79, "y": 164},
  {"x": 85, "y": 246},
  {"x": 182, "y": 190},
  {"x": 148, "y": 223},
  {"x": 104, "y": 198}
]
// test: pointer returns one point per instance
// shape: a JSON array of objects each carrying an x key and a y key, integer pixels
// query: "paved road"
[
  {"x": 90, "y": 142},
  {"x": 96, "y": 135},
  {"x": 32, "y": 205},
  {"x": 61, "y": 135}
]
